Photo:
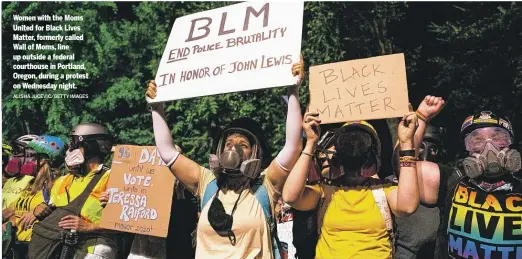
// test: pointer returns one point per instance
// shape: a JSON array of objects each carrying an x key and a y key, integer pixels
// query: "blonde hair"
[{"x": 45, "y": 176}]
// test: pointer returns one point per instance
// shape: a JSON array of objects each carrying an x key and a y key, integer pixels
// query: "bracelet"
[
  {"x": 407, "y": 159},
  {"x": 308, "y": 154},
  {"x": 408, "y": 164},
  {"x": 410, "y": 152},
  {"x": 422, "y": 117}
]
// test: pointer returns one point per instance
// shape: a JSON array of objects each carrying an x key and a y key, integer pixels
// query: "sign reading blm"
[
  {"x": 246, "y": 46},
  {"x": 140, "y": 192},
  {"x": 363, "y": 89}
]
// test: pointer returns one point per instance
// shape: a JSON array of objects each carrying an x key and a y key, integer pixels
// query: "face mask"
[
  {"x": 74, "y": 160},
  {"x": 491, "y": 162},
  {"x": 219, "y": 220},
  {"x": 29, "y": 168},
  {"x": 429, "y": 152},
  {"x": 13, "y": 166},
  {"x": 231, "y": 163}
]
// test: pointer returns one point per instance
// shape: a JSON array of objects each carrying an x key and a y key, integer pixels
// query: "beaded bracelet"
[
  {"x": 407, "y": 159},
  {"x": 422, "y": 117},
  {"x": 408, "y": 164}
]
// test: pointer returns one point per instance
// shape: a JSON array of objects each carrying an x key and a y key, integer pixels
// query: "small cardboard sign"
[
  {"x": 140, "y": 192},
  {"x": 362, "y": 89},
  {"x": 245, "y": 46}
]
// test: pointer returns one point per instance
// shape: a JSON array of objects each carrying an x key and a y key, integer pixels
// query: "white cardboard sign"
[{"x": 241, "y": 47}]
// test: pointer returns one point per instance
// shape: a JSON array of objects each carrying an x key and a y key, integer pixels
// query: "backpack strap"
[
  {"x": 210, "y": 190},
  {"x": 76, "y": 205},
  {"x": 380, "y": 198},
  {"x": 262, "y": 197}
]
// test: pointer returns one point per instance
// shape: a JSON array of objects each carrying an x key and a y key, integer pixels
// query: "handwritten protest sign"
[
  {"x": 140, "y": 192},
  {"x": 363, "y": 89},
  {"x": 241, "y": 47},
  {"x": 284, "y": 233}
]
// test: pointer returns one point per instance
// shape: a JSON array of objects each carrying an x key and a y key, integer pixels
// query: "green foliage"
[{"x": 470, "y": 53}]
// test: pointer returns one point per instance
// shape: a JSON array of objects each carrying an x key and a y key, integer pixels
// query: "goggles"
[{"x": 477, "y": 139}]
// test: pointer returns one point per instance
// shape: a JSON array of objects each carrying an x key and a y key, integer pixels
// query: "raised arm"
[
  {"x": 186, "y": 170},
  {"x": 285, "y": 160},
  {"x": 404, "y": 200},
  {"x": 294, "y": 192},
  {"x": 428, "y": 108},
  {"x": 428, "y": 173}
]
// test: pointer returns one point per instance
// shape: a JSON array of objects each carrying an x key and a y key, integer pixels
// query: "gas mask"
[
  {"x": 30, "y": 168},
  {"x": 13, "y": 166},
  {"x": 491, "y": 161},
  {"x": 429, "y": 151},
  {"x": 355, "y": 156},
  {"x": 74, "y": 160},
  {"x": 23, "y": 164},
  {"x": 232, "y": 162}
]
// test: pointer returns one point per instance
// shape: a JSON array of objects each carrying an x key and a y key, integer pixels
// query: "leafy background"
[{"x": 469, "y": 53}]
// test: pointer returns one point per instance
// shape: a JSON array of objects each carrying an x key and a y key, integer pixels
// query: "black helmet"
[
  {"x": 482, "y": 120},
  {"x": 93, "y": 137},
  {"x": 251, "y": 130}
]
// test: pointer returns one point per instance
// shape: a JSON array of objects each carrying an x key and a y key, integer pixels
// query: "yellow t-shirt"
[
  {"x": 68, "y": 187},
  {"x": 13, "y": 188},
  {"x": 26, "y": 203},
  {"x": 252, "y": 233},
  {"x": 353, "y": 226}
]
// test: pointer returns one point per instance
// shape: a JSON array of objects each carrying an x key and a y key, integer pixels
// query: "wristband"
[
  {"x": 407, "y": 159},
  {"x": 408, "y": 164},
  {"x": 422, "y": 117},
  {"x": 410, "y": 152},
  {"x": 308, "y": 154}
]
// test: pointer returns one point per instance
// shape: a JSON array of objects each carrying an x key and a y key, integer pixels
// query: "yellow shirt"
[
  {"x": 26, "y": 203},
  {"x": 353, "y": 226},
  {"x": 249, "y": 224},
  {"x": 13, "y": 188},
  {"x": 68, "y": 187}
]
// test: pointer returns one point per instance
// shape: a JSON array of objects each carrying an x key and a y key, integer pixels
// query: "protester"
[
  {"x": 354, "y": 215},
  {"x": 7, "y": 152},
  {"x": 50, "y": 152},
  {"x": 417, "y": 233},
  {"x": 235, "y": 223},
  {"x": 480, "y": 197},
  {"x": 19, "y": 171},
  {"x": 70, "y": 226}
]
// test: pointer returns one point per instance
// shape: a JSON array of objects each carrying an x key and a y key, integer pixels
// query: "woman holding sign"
[
  {"x": 237, "y": 196},
  {"x": 354, "y": 219}
]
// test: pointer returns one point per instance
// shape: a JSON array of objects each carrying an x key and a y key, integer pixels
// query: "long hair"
[{"x": 45, "y": 177}]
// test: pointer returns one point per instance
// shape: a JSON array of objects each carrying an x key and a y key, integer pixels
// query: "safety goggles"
[{"x": 477, "y": 139}]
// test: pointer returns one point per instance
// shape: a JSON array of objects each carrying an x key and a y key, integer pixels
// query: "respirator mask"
[
  {"x": 356, "y": 155},
  {"x": 429, "y": 151},
  {"x": 232, "y": 161},
  {"x": 23, "y": 164},
  {"x": 74, "y": 158},
  {"x": 490, "y": 153}
]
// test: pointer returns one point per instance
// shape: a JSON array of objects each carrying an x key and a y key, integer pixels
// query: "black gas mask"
[
  {"x": 429, "y": 151},
  {"x": 232, "y": 162},
  {"x": 356, "y": 153}
]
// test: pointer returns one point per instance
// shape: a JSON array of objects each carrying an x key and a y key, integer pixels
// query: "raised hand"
[
  {"x": 406, "y": 129},
  {"x": 151, "y": 89},
  {"x": 430, "y": 106},
  {"x": 297, "y": 70},
  {"x": 311, "y": 127}
]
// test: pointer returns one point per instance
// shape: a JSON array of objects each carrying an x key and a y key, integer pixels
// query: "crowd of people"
[{"x": 328, "y": 184}]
